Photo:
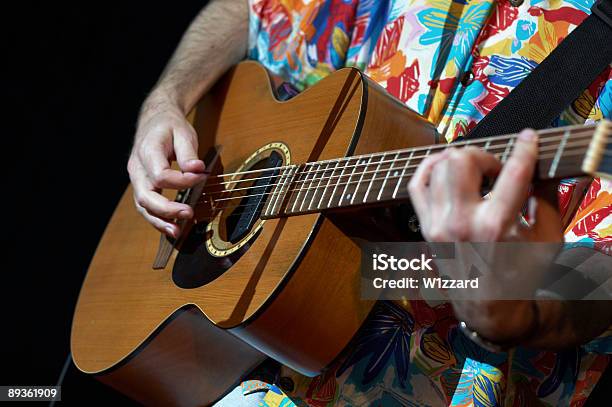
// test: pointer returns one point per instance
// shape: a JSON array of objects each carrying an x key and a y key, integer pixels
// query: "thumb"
[{"x": 186, "y": 149}]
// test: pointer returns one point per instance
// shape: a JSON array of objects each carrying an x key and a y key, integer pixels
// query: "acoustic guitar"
[{"x": 269, "y": 267}]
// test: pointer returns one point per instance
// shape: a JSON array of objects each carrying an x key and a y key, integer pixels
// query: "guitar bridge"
[{"x": 190, "y": 197}]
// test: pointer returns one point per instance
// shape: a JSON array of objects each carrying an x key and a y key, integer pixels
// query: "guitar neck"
[{"x": 383, "y": 177}]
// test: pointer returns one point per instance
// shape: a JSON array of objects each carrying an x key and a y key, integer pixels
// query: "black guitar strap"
[{"x": 558, "y": 81}]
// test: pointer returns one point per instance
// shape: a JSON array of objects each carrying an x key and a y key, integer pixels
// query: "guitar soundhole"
[
  {"x": 195, "y": 266},
  {"x": 213, "y": 246}
]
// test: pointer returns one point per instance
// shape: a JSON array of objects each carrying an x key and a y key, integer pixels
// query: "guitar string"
[
  {"x": 343, "y": 183},
  {"x": 340, "y": 182},
  {"x": 546, "y": 132},
  {"x": 542, "y": 140},
  {"x": 545, "y": 135},
  {"x": 363, "y": 157},
  {"x": 336, "y": 168},
  {"x": 375, "y": 163},
  {"x": 373, "y": 191},
  {"x": 168, "y": 247}
]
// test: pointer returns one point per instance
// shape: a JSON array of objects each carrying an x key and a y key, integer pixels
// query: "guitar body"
[{"x": 288, "y": 289}]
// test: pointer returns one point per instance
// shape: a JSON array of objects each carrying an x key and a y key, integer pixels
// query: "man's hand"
[
  {"x": 216, "y": 40},
  {"x": 446, "y": 195},
  {"x": 163, "y": 134}
]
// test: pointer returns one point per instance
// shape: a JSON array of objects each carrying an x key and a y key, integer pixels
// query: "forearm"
[
  {"x": 215, "y": 40},
  {"x": 574, "y": 321},
  {"x": 549, "y": 322}
]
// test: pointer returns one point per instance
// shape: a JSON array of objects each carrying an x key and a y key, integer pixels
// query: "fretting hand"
[{"x": 445, "y": 192}]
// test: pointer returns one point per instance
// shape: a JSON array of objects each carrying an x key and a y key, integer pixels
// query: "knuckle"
[
  {"x": 492, "y": 228},
  {"x": 459, "y": 159},
  {"x": 160, "y": 127},
  {"x": 142, "y": 211},
  {"x": 430, "y": 160},
  {"x": 414, "y": 187},
  {"x": 455, "y": 154},
  {"x": 158, "y": 178},
  {"x": 517, "y": 170},
  {"x": 143, "y": 153},
  {"x": 131, "y": 169},
  {"x": 459, "y": 228},
  {"x": 436, "y": 234},
  {"x": 189, "y": 132},
  {"x": 167, "y": 212},
  {"x": 140, "y": 200}
]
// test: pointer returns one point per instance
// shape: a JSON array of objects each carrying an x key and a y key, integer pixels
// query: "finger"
[
  {"x": 439, "y": 193},
  {"x": 162, "y": 176},
  {"x": 147, "y": 197},
  {"x": 418, "y": 187},
  {"x": 164, "y": 226},
  {"x": 160, "y": 206},
  {"x": 186, "y": 150},
  {"x": 459, "y": 177},
  {"x": 512, "y": 185}
]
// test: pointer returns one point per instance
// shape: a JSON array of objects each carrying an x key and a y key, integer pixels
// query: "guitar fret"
[
  {"x": 347, "y": 177},
  {"x": 304, "y": 174},
  {"x": 314, "y": 194},
  {"x": 486, "y": 146},
  {"x": 360, "y": 179},
  {"x": 382, "y": 188},
  {"x": 507, "y": 150},
  {"x": 423, "y": 157},
  {"x": 365, "y": 197},
  {"x": 408, "y": 160},
  {"x": 348, "y": 182},
  {"x": 308, "y": 188},
  {"x": 555, "y": 163},
  {"x": 331, "y": 197},
  {"x": 285, "y": 183},
  {"x": 274, "y": 195},
  {"x": 329, "y": 179}
]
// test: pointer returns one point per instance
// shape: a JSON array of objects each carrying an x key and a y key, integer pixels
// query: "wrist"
[
  {"x": 163, "y": 98},
  {"x": 503, "y": 322}
]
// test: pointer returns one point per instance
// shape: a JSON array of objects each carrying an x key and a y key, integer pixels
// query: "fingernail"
[
  {"x": 170, "y": 231},
  {"x": 528, "y": 135},
  {"x": 184, "y": 214}
]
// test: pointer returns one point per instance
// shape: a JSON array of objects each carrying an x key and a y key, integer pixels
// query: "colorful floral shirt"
[{"x": 451, "y": 61}]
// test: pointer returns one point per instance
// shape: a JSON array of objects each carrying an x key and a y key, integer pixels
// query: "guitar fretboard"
[{"x": 383, "y": 177}]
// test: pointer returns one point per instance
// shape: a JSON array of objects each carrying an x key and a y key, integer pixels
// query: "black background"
[{"x": 75, "y": 76}]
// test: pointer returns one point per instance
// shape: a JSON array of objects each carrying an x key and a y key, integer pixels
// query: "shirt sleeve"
[{"x": 302, "y": 42}]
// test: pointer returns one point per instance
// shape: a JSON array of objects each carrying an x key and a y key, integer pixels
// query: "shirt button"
[
  {"x": 467, "y": 78},
  {"x": 516, "y": 3}
]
